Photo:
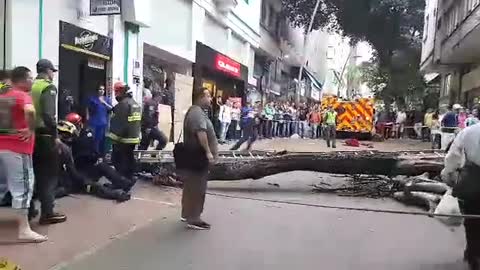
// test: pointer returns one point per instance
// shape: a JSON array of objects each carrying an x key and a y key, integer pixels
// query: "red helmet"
[
  {"x": 120, "y": 88},
  {"x": 74, "y": 118}
]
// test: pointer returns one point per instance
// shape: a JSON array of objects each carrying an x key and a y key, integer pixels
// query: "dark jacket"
[
  {"x": 84, "y": 149},
  {"x": 150, "y": 114},
  {"x": 126, "y": 122}
]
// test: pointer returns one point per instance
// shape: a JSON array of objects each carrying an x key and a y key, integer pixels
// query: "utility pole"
[{"x": 305, "y": 41}]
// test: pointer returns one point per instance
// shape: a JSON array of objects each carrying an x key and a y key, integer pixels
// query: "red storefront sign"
[{"x": 227, "y": 65}]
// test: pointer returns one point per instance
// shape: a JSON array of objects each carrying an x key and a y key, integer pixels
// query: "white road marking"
[{"x": 154, "y": 201}]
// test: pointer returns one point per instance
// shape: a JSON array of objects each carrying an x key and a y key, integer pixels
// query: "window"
[
  {"x": 264, "y": 14},
  {"x": 425, "y": 28},
  {"x": 446, "y": 85}
]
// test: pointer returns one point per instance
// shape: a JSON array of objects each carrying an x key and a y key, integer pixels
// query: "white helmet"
[{"x": 457, "y": 106}]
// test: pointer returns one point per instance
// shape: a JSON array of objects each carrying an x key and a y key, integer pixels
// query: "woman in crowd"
[
  {"x": 315, "y": 119},
  {"x": 234, "y": 129},
  {"x": 225, "y": 117},
  {"x": 98, "y": 111},
  {"x": 462, "y": 118}
]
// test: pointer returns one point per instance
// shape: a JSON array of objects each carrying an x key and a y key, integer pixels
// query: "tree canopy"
[{"x": 394, "y": 28}]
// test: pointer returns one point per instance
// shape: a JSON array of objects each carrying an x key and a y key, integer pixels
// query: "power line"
[{"x": 347, "y": 208}]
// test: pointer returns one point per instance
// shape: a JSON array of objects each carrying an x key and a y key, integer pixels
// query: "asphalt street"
[{"x": 258, "y": 235}]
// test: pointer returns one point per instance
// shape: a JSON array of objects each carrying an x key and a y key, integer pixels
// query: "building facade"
[
  {"x": 450, "y": 48},
  {"x": 89, "y": 51}
]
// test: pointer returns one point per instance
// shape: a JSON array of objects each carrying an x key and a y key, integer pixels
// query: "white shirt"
[
  {"x": 225, "y": 115},
  {"x": 401, "y": 117},
  {"x": 465, "y": 148}
]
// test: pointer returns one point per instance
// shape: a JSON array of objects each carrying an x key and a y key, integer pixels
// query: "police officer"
[
  {"x": 46, "y": 156},
  {"x": 150, "y": 131},
  {"x": 462, "y": 168},
  {"x": 81, "y": 166},
  {"x": 125, "y": 130}
]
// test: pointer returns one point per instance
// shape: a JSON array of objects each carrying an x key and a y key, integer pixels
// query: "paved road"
[{"x": 259, "y": 235}]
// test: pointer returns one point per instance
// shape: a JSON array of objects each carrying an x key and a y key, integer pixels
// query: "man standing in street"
[
  {"x": 462, "y": 167},
  {"x": 45, "y": 156},
  {"x": 248, "y": 128},
  {"x": 331, "y": 127},
  {"x": 150, "y": 131},
  {"x": 200, "y": 139},
  {"x": 17, "y": 127},
  {"x": 125, "y": 130}
]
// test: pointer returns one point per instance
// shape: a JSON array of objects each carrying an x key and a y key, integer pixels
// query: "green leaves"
[{"x": 393, "y": 28}]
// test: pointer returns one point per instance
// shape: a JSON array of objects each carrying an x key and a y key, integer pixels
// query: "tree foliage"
[{"x": 393, "y": 28}]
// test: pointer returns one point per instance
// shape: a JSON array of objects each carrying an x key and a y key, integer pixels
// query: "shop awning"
[{"x": 312, "y": 78}]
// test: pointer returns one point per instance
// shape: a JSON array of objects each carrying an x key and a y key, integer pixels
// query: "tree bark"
[{"x": 366, "y": 162}]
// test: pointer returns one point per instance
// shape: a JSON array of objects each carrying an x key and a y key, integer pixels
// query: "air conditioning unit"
[{"x": 225, "y": 6}]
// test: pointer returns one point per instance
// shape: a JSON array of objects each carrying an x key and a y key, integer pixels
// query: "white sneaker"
[{"x": 182, "y": 219}]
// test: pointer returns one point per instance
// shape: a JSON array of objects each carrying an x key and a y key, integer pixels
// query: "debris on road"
[{"x": 418, "y": 191}]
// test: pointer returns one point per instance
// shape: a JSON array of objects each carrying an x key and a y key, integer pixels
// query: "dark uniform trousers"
[
  {"x": 45, "y": 162},
  {"x": 123, "y": 159},
  {"x": 469, "y": 195},
  {"x": 193, "y": 195},
  {"x": 249, "y": 135}
]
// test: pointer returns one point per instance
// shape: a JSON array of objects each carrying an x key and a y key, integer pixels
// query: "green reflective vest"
[
  {"x": 38, "y": 87},
  {"x": 331, "y": 118}
]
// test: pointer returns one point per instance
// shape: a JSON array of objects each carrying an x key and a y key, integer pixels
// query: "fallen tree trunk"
[
  {"x": 367, "y": 162},
  {"x": 379, "y": 163}
]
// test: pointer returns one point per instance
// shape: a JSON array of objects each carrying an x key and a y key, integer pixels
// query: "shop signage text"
[
  {"x": 105, "y": 7},
  {"x": 86, "y": 40},
  {"x": 227, "y": 65}
]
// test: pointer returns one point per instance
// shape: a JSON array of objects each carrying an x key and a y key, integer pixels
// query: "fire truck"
[{"x": 354, "y": 116}]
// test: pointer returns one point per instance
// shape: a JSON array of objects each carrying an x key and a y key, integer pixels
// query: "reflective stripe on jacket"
[{"x": 126, "y": 122}]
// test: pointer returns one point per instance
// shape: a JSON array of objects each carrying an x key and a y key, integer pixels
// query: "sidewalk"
[{"x": 92, "y": 223}]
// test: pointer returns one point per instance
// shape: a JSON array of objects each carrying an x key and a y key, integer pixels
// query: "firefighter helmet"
[
  {"x": 74, "y": 118},
  {"x": 67, "y": 127}
]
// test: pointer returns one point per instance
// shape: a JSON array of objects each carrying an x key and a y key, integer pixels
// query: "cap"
[
  {"x": 44, "y": 64},
  {"x": 119, "y": 87},
  {"x": 457, "y": 106}
]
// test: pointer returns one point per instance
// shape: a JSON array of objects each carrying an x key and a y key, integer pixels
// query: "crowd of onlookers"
[
  {"x": 419, "y": 125},
  {"x": 273, "y": 120}
]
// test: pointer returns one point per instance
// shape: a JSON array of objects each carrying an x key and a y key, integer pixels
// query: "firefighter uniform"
[
  {"x": 125, "y": 131},
  {"x": 80, "y": 169}
]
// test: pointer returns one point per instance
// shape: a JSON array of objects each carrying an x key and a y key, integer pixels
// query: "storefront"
[
  {"x": 83, "y": 58},
  {"x": 223, "y": 76}
]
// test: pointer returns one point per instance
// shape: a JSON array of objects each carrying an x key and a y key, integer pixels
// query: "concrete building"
[
  {"x": 343, "y": 61},
  {"x": 281, "y": 53},
  {"x": 451, "y": 49},
  {"x": 89, "y": 50}
]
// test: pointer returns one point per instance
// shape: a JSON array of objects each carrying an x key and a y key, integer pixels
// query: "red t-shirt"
[{"x": 12, "y": 142}]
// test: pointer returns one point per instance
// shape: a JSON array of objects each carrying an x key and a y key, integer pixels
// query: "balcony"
[
  {"x": 225, "y": 6},
  {"x": 462, "y": 45}
]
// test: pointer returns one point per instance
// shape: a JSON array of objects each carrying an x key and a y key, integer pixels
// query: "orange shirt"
[{"x": 315, "y": 118}]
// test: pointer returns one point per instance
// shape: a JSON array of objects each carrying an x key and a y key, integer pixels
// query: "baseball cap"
[{"x": 44, "y": 64}]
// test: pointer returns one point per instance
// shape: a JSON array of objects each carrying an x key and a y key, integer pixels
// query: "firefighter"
[
  {"x": 150, "y": 131},
  {"x": 125, "y": 130},
  {"x": 81, "y": 166},
  {"x": 45, "y": 156}
]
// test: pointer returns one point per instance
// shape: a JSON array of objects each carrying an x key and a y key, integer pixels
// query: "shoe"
[
  {"x": 32, "y": 214},
  {"x": 53, "y": 219},
  {"x": 200, "y": 225},
  {"x": 123, "y": 196},
  {"x": 182, "y": 219},
  {"x": 334, "y": 146}
]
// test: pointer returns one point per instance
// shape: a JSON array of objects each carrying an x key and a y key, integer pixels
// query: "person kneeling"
[{"x": 80, "y": 173}]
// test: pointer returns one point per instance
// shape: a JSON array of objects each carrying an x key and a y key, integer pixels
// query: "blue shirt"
[
  {"x": 98, "y": 111},
  {"x": 450, "y": 120},
  {"x": 247, "y": 115}
]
